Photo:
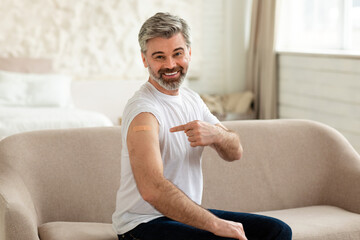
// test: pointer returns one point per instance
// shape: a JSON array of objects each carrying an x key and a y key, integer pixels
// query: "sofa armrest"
[
  {"x": 344, "y": 187},
  {"x": 18, "y": 218}
]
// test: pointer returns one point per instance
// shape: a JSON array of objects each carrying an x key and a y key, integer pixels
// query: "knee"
[{"x": 284, "y": 231}]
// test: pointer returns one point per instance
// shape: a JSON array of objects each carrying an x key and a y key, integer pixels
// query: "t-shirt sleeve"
[{"x": 134, "y": 109}]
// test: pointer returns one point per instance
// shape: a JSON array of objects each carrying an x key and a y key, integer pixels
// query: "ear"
[
  {"x": 189, "y": 53},
  {"x": 144, "y": 60}
]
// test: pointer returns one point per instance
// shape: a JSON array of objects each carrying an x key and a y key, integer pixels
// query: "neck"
[{"x": 163, "y": 90}]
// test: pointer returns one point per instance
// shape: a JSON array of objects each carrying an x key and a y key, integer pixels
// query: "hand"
[
  {"x": 199, "y": 133},
  {"x": 229, "y": 229}
]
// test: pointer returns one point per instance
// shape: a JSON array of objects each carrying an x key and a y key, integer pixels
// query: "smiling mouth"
[
  {"x": 167, "y": 72},
  {"x": 171, "y": 74}
]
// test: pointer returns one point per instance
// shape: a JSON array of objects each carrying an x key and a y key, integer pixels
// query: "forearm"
[
  {"x": 228, "y": 144},
  {"x": 173, "y": 203}
]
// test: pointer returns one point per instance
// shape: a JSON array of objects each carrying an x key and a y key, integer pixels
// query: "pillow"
[
  {"x": 238, "y": 102},
  {"x": 213, "y": 102},
  {"x": 35, "y": 90}
]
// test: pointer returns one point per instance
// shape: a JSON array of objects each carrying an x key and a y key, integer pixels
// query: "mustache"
[{"x": 168, "y": 70}]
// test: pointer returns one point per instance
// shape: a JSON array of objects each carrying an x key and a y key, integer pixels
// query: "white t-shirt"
[{"x": 182, "y": 163}]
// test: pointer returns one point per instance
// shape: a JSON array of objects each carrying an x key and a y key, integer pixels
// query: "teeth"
[{"x": 170, "y": 74}]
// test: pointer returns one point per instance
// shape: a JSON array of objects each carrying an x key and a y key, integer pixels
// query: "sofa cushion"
[
  {"x": 307, "y": 223},
  {"x": 319, "y": 222},
  {"x": 76, "y": 231}
]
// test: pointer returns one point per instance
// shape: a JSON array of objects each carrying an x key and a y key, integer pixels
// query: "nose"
[{"x": 170, "y": 63}]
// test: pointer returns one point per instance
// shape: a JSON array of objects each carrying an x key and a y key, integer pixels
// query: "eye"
[
  {"x": 178, "y": 54},
  {"x": 159, "y": 57}
]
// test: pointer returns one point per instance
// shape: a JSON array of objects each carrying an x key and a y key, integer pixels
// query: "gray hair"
[{"x": 163, "y": 25}]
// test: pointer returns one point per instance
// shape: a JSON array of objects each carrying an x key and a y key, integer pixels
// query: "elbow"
[
  {"x": 238, "y": 154},
  {"x": 148, "y": 196},
  {"x": 151, "y": 191}
]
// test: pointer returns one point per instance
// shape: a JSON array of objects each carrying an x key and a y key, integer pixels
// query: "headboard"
[
  {"x": 87, "y": 95},
  {"x": 26, "y": 65}
]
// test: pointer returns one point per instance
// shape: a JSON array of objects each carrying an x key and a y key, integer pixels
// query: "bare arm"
[
  {"x": 228, "y": 145},
  {"x": 147, "y": 167},
  {"x": 225, "y": 142}
]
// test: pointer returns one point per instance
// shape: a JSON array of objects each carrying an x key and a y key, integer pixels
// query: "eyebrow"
[
  {"x": 176, "y": 49},
  {"x": 158, "y": 52},
  {"x": 179, "y": 48}
]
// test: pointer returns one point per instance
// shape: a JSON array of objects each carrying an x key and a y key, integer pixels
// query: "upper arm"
[{"x": 144, "y": 152}]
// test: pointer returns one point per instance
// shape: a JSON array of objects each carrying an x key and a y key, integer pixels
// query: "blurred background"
[{"x": 251, "y": 59}]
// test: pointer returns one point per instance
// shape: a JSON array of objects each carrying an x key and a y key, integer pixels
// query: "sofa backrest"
[
  {"x": 74, "y": 174},
  {"x": 286, "y": 164},
  {"x": 71, "y": 175}
]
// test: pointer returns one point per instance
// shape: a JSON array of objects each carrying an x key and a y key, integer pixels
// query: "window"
[{"x": 319, "y": 25}]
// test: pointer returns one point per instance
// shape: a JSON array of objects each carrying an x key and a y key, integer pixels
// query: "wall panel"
[{"x": 324, "y": 88}]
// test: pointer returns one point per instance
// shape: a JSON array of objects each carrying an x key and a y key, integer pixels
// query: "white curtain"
[{"x": 261, "y": 59}]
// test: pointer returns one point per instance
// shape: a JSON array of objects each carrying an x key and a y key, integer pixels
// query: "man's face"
[{"x": 167, "y": 61}]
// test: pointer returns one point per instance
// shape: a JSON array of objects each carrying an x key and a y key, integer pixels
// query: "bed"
[{"x": 33, "y": 98}]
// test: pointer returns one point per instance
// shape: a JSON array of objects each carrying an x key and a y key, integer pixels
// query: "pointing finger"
[{"x": 178, "y": 128}]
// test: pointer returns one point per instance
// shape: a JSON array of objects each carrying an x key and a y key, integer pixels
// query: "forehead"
[{"x": 166, "y": 45}]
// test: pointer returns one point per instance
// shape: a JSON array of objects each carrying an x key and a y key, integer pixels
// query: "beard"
[{"x": 172, "y": 84}]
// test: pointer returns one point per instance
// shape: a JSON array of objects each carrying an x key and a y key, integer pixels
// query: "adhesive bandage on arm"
[{"x": 142, "y": 128}]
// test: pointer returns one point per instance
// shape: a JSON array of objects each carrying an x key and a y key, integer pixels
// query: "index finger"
[{"x": 178, "y": 128}]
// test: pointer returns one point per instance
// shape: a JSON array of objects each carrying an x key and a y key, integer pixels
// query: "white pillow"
[{"x": 35, "y": 90}]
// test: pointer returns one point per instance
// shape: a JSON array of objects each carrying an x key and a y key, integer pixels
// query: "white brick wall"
[
  {"x": 97, "y": 40},
  {"x": 88, "y": 38}
]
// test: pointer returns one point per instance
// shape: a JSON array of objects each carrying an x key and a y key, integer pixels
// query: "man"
[{"x": 164, "y": 129}]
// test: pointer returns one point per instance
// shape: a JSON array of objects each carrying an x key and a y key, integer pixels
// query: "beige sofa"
[{"x": 61, "y": 184}]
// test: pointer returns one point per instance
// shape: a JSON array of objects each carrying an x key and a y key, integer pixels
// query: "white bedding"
[{"x": 21, "y": 119}]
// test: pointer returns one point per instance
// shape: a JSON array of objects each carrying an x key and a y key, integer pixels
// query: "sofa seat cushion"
[
  {"x": 319, "y": 222},
  {"x": 307, "y": 223},
  {"x": 76, "y": 231}
]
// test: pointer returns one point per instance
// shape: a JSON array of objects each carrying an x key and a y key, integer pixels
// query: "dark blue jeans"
[{"x": 255, "y": 226}]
